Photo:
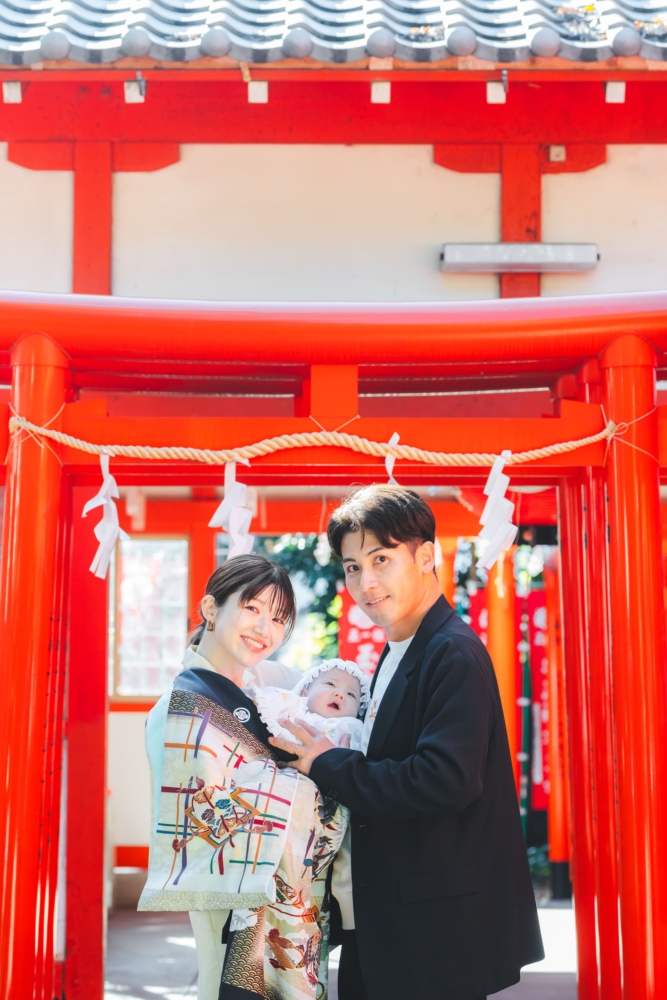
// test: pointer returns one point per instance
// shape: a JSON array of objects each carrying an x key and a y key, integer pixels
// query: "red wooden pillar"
[
  {"x": 202, "y": 564},
  {"x": 582, "y": 868},
  {"x": 601, "y": 710},
  {"x": 445, "y": 571},
  {"x": 638, "y": 662},
  {"x": 521, "y": 211},
  {"x": 501, "y": 643},
  {"x": 86, "y": 737},
  {"x": 559, "y": 793},
  {"x": 30, "y": 681},
  {"x": 92, "y": 218}
]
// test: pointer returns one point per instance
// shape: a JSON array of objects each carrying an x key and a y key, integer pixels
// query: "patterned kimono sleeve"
[{"x": 221, "y": 808}]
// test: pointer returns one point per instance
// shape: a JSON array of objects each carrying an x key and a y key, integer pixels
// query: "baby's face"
[{"x": 334, "y": 693}]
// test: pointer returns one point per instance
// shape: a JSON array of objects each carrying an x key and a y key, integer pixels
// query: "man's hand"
[{"x": 312, "y": 744}]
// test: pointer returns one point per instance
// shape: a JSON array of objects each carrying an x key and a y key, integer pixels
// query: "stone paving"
[{"x": 152, "y": 956}]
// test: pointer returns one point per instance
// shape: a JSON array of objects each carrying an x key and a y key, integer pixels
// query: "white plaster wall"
[
  {"x": 36, "y": 227},
  {"x": 277, "y": 222},
  {"x": 328, "y": 222},
  {"x": 128, "y": 780},
  {"x": 621, "y": 206}
]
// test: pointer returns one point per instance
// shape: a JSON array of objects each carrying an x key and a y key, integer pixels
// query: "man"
[{"x": 443, "y": 905}]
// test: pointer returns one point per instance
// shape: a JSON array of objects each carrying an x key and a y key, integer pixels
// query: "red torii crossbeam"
[{"x": 48, "y": 627}]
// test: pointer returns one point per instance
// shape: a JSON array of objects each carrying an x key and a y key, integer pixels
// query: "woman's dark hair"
[
  {"x": 392, "y": 513},
  {"x": 251, "y": 575}
]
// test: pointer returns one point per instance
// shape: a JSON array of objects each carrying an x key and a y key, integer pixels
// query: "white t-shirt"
[
  {"x": 341, "y": 883},
  {"x": 397, "y": 651}
]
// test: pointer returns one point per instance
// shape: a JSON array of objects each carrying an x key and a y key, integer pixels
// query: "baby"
[{"x": 329, "y": 697}]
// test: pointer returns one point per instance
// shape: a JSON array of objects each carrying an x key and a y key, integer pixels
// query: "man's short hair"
[{"x": 392, "y": 513}]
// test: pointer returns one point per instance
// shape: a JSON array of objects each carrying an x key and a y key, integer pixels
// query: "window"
[{"x": 148, "y": 615}]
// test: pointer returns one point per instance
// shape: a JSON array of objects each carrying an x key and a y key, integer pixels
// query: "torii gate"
[{"x": 612, "y": 586}]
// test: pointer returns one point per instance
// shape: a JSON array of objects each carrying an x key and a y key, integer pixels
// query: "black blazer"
[{"x": 443, "y": 899}]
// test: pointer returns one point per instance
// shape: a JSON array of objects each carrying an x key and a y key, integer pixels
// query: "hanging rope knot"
[
  {"x": 616, "y": 432},
  {"x": 18, "y": 425}
]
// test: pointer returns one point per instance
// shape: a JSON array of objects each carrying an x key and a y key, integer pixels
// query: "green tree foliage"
[{"x": 309, "y": 557}]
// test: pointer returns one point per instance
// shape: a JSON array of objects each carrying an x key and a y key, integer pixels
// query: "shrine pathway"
[{"x": 152, "y": 956}]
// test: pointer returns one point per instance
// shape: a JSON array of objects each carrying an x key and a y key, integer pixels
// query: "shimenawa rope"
[{"x": 314, "y": 439}]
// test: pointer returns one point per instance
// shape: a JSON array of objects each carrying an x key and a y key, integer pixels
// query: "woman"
[{"x": 231, "y": 830}]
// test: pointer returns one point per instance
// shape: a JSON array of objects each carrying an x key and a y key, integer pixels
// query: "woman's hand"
[{"x": 312, "y": 744}]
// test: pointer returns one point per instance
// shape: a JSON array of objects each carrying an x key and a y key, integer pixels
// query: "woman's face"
[{"x": 247, "y": 632}]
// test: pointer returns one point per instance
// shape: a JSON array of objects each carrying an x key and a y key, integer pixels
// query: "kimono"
[{"x": 231, "y": 830}]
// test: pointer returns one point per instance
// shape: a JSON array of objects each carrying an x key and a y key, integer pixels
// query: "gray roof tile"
[{"x": 338, "y": 29}]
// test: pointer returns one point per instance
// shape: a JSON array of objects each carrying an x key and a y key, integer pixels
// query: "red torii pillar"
[
  {"x": 582, "y": 862},
  {"x": 501, "y": 644},
  {"x": 559, "y": 794},
  {"x": 638, "y": 662},
  {"x": 31, "y": 681},
  {"x": 600, "y": 709}
]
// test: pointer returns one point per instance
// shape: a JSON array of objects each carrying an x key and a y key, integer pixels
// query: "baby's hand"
[{"x": 345, "y": 741}]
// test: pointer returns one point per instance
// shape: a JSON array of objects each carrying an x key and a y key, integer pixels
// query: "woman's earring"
[{"x": 210, "y": 627}]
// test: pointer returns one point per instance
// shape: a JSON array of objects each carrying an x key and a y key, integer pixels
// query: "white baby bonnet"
[{"x": 335, "y": 664}]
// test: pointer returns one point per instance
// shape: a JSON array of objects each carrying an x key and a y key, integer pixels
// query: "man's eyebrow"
[{"x": 369, "y": 553}]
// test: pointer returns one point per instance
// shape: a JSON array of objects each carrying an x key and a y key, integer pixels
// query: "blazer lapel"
[{"x": 393, "y": 696}]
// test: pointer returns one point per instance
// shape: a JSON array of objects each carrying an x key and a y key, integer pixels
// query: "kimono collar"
[{"x": 193, "y": 660}]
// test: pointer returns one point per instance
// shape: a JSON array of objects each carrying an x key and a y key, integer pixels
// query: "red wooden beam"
[
  {"x": 125, "y": 156},
  {"x": 455, "y": 434},
  {"x": 449, "y": 108},
  {"x": 42, "y": 155},
  {"x": 487, "y": 157},
  {"x": 474, "y": 434},
  {"x": 135, "y": 157},
  {"x": 190, "y": 73},
  {"x": 523, "y": 330},
  {"x": 277, "y": 517}
]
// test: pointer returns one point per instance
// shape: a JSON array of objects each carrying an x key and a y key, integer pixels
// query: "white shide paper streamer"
[
  {"x": 108, "y": 530},
  {"x": 233, "y": 516},
  {"x": 496, "y": 519},
  {"x": 390, "y": 460}
]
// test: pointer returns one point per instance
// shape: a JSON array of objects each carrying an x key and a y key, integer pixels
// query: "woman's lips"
[{"x": 253, "y": 644}]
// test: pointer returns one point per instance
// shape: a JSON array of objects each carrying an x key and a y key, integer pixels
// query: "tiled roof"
[{"x": 337, "y": 31}]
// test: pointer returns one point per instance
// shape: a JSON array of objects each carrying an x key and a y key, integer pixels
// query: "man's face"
[{"x": 388, "y": 584}]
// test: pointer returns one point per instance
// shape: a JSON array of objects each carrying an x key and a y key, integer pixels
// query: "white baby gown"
[{"x": 275, "y": 703}]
